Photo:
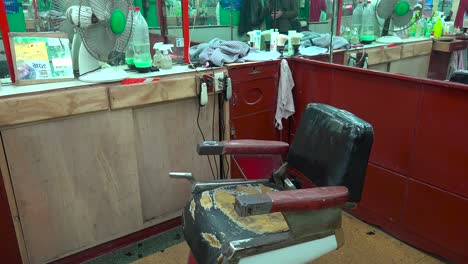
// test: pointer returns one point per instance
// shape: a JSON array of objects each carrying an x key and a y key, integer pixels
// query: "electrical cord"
[
  {"x": 203, "y": 137},
  {"x": 213, "y": 135},
  {"x": 97, "y": 69}
]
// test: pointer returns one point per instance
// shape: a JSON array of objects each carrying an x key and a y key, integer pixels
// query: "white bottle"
[
  {"x": 367, "y": 28},
  {"x": 356, "y": 19},
  {"x": 141, "y": 44}
]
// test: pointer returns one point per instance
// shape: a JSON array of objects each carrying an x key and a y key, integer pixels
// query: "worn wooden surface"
[
  {"x": 381, "y": 55},
  {"x": 416, "y": 49},
  {"x": 75, "y": 182},
  {"x": 407, "y": 66},
  {"x": 59, "y": 103},
  {"x": 85, "y": 180},
  {"x": 36, "y": 107},
  {"x": 166, "y": 139},
  {"x": 169, "y": 88}
]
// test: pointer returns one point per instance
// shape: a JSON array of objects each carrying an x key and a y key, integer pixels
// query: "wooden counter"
[
  {"x": 42, "y": 105},
  {"x": 83, "y": 166},
  {"x": 409, "y": 58}
]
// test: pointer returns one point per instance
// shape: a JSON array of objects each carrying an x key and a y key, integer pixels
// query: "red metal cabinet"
[{"x": 252, "y": 113}]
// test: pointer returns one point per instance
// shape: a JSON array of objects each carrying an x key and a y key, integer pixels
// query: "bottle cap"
[{"x": 137, "y": 8}]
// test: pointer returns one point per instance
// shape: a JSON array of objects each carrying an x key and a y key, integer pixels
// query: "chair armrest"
[
  {"x": 243, "y": 147},
  {"x": 291, "y": 201}
]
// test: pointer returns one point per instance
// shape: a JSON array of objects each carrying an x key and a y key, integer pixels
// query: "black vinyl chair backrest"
[{"x": 332, "y": 147}]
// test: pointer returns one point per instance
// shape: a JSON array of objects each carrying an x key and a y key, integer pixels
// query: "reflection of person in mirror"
[
  {"x": 283, "y": 12},
  {"x": 26, "y": 72},
  {"x": 316, "y": 8}
]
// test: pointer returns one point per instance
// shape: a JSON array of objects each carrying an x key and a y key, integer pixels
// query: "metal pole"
[
  {"x": 186, "y": 32},
  {"x": 6, "y": 41},
  {"x": 231, "y": 20},
  {"x": 333, "y": 28}
]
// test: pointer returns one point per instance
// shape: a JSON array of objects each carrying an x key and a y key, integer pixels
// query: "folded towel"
[
  {"x": 324, "y": 42},
  {"x": 220, "y": 52},
  {"x": 285, "y": 102}
]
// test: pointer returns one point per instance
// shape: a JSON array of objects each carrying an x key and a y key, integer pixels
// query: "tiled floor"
[{"x": 364, "y": 245}]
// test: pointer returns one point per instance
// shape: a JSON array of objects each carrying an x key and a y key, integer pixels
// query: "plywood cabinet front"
[
  {"x": 86, "y": 180},
  {"x": 75, "y": 182}
]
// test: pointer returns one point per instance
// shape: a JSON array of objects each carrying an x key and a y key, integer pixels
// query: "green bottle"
[
  {"x": 428, "y": 27},
  {"x": 412, "y": 29}
]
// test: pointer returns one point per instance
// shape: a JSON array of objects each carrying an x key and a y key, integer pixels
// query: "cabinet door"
[
  {"x": 252, "y": 113},
  {"x": 75, "y": 182},
  {"x": 253, "y": 96}
]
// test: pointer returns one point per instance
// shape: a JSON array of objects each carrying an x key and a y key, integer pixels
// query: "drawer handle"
[
  {"x": 234, "y": 99},
  {"x": 255, "y": 72}
]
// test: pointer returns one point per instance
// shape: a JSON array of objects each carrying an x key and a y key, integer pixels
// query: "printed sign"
[{"x": 41, "y": 58}]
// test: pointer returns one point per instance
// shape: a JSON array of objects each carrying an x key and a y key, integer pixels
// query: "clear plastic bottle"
[
  {"x": 166, "y": 60},
  {"x": 129, "y": 52},
  {"x": 141, "y": 44},
  {"x": 356, "y": 19},
  {"x": 367, "y": 28},
  {"x": 420, "y": 27},
  {"x": 354, "y": 39}
]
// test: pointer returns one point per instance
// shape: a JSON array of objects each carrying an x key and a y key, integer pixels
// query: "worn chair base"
[{"x": 301, "y": 253}]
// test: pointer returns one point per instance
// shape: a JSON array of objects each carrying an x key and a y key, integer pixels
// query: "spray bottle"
[
  {"x": 157, "y": 54},
  {"x": 166, "y": 60},
  {"x": 438, "y": 27}
]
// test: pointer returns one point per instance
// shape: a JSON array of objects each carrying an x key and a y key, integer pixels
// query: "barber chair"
[{"x": 295, "y": 215}]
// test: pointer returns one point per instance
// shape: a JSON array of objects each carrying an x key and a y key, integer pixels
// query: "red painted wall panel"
[
  {"x": 9, "y": 251},
  {"x": 311, "y": 86},
  {"x": 416, "y": 180},
  {"x": 439, "y": 217},
  {"x": 441, "y": 151},
  {"x": 389, "y": 105},
  {"x": 384, "y": 193}
]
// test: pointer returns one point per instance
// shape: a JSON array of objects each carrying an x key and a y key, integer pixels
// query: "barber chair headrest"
[{"x": 332, "y": 147}]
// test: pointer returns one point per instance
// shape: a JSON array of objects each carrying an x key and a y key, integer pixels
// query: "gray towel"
[
  {"x": 220, "y": 52},
  {"x": 324, "y": 42}
]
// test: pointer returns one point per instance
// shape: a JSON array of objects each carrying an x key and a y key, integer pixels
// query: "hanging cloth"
[{"x": 285, "y": 102}]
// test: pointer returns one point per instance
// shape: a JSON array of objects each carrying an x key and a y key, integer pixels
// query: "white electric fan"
[
  {"x": 394, "y": 12},
  {"x": 102, "y": 31}
]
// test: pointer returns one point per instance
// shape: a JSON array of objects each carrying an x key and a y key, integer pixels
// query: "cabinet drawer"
[
  {"x": 253, "y": 96},
  {"x": 254, "y": 71},
  {"x": 416, "y": 49},
  {"x": 449, "y": 46}
]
